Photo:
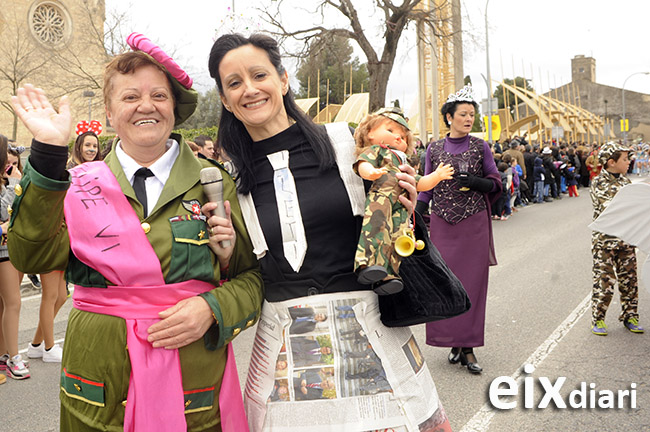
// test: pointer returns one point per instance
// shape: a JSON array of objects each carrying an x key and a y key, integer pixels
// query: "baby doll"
[{"x": 383, "y": 142}]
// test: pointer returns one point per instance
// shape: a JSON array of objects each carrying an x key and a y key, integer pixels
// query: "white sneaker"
[
  {"x": 35, "y": 352},
  {"x": 53, "y": 355},
  {"x": 16, "y": 368},
  {"x": 4, "y": 358}
]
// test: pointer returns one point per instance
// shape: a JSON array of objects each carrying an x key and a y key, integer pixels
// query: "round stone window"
[{"x": 50, "y": 23}]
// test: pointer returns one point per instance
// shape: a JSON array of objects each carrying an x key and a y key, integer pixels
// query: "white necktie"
[{"x": 294, "y": 241}]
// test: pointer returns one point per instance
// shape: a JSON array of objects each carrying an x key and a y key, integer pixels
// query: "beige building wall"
[
  {"x": 57, "y": 45},
  {"x": 592, "y": 96}
]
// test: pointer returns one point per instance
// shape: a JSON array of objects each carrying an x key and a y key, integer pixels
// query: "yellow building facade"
[{"x": 57, "y": 45}]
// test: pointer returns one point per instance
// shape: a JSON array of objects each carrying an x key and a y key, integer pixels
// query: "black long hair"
[{"x": 233, "y": 136}]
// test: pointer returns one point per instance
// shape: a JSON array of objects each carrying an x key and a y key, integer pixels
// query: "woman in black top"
[{"x": 304, "y": 220}]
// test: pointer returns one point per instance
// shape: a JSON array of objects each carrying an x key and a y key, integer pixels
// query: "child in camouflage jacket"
[{"x": 613, "y": 259}]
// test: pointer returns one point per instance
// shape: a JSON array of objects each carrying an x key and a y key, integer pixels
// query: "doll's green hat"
[{"x": 395, "y": 114}]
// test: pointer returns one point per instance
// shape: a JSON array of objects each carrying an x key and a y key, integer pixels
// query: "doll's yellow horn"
[{"x": 405, "y": 243}]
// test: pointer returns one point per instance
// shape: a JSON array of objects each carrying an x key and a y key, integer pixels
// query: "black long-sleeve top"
[{"x": 332, "y": 231}]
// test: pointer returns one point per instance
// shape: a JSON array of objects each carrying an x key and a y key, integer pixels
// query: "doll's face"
[{"x": 389, "y": 133}]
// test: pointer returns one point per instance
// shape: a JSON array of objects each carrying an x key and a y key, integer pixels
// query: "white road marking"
[{"x": 480, "y": 422}]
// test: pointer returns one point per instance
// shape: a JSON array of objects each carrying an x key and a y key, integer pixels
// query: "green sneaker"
[
  {"x": 632, "y": 325},
  {"x": 600, "y": 328}
]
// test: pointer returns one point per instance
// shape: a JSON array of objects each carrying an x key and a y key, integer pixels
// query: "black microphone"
[{"x": 212, "y": 183}]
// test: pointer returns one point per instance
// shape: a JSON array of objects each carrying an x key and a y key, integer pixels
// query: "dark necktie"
[{"x": 138, "y": 186}]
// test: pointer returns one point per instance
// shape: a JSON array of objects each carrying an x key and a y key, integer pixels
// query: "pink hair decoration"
[{"x": 140, "y": 42}]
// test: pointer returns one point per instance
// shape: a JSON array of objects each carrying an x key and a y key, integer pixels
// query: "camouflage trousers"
[
  {"x": 382, "y": 220},
  {"x": 614, "y": 261}
]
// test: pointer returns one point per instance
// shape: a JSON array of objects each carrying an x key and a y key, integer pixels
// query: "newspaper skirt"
[{"x": 327, "y": 363}]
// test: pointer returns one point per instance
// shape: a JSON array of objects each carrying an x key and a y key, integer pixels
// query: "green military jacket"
[{"x": 96, "y": 368}]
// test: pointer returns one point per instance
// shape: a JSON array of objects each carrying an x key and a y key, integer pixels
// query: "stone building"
[
  {"x": 57, "y": 45},
  {"x": 607, "y": 101}
]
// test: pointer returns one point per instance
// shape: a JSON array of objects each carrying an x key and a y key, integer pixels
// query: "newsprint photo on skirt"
[{"x": 332, "y": 361}]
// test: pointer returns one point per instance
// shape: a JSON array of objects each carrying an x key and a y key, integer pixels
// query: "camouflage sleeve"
[
  {"x": 599, "y": 195},
  {"x": 372, "y": 155}
]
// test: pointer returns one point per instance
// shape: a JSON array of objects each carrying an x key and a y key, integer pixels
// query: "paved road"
[{"x": 536, "y": 314}]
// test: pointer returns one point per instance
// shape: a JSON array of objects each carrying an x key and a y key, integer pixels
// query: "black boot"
[
  {"x": 454, "y": 355},
  {"x": 388, "y": 287},
  {"x": 467, "y": 358},
  {"x": 371, "y": 274}
]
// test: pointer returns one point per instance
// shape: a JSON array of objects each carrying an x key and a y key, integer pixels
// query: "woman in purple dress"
[{"x": 460, "y": 225}]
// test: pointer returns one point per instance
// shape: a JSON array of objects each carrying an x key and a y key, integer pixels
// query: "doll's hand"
[
  {"x": 368, "y": 172},
  {"x": 407, "y": 182},
  {"x": 376, "y": 173},
  {"x": 444, "y": 171}
]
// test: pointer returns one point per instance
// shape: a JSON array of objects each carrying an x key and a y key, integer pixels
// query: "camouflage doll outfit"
[{"x": 384, "y": 215}]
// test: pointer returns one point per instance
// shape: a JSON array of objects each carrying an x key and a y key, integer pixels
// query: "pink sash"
[{"x": 105, "y": 234}]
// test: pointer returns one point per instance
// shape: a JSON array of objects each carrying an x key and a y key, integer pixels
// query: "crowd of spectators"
[{"x": 534, "y": 174}]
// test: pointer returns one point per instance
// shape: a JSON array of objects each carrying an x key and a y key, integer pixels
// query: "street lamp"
[
  {"x": 90, "y": 95},
  {"x": 623, "y": 97},
  {"x": 489, "y": 77}
]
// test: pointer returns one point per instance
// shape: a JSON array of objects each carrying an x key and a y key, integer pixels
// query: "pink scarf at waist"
[{"x": 155, "y": 399}]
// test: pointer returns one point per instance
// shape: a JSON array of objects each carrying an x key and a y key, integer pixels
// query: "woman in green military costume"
[{"x": 145, "y": 98}]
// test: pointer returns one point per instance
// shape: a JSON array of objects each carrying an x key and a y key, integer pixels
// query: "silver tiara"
[{"x": 466, "y": 94}]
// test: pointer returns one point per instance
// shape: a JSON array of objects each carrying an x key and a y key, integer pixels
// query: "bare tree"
[
  {"x": 105, "y": 38},
  {"x": 20, "y": 59},
  {"x": 117, "y": 27},
  {"x": 394, "y": 19}
]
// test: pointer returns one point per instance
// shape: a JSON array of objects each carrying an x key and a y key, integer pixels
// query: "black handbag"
[{"x": 431, "y": 291}]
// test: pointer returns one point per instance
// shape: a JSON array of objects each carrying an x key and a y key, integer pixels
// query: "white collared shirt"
[{"x": 160, "y": 169}]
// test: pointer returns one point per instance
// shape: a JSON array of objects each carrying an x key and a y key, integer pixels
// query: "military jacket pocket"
[
  {"x": 82, "y": 389},
  {"x": 198, "y": 400},
  {"x": 191, "y": 257}
]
